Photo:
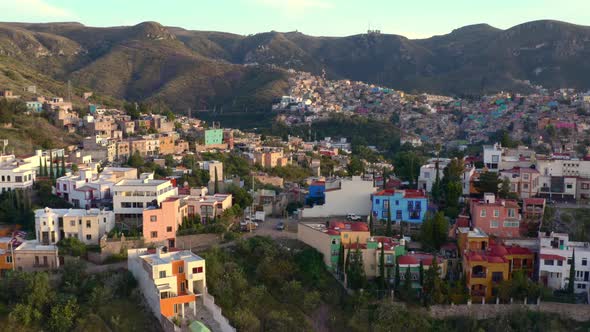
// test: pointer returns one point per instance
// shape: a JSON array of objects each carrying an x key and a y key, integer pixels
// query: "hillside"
[{"x": 205, "y": 69}]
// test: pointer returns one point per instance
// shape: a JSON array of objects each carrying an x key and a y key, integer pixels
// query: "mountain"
[{"x": 198, "y": 69}]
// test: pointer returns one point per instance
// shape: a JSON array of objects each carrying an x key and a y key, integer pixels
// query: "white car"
[{"x": 353, "y": 217}]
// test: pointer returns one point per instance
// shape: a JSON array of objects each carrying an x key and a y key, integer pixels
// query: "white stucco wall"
[{"x": 353, "y": 197}]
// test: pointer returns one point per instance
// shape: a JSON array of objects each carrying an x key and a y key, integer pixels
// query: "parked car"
[
  {"x": 248, "y": 225},
  {"x": 281, "y": 226},
  {"x": 353, "y": 217}
]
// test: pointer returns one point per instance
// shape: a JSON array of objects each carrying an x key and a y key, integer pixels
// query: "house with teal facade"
[
  {"x": 213, "y": 136},
  {"x": 400, "y": 205}
]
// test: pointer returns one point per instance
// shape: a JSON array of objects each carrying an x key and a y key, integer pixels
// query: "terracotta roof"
[
  {"x": 535, "y": 201},
  {"x": 407, "y": 260},
  {"x": 555, "y": 257}
]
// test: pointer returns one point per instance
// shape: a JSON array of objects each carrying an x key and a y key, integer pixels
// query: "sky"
[{"x": 410, "y": 18}]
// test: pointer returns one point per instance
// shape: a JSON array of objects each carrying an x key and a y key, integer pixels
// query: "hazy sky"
[{"x": 411, "y": 18}]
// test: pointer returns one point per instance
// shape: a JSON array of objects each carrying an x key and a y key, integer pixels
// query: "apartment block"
[
  {"x": 89, "y": 189},
  {"x": 131, "y": 197},
  {"x": 88, "y": 226}
]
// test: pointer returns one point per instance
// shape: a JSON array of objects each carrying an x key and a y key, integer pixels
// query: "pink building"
[
  {"x": 160, "y": 225},
  {"x": 497, "y": 217}
]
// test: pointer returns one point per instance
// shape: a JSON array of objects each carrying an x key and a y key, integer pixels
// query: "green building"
[{"x": 213, "y": 136}]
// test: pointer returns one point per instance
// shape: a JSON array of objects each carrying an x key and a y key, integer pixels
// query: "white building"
[
  {"x": 555, "y": 258},
  {"x": 171, "y": 282},
  {"x": 343, "y": 196},
  {"x": 16, "y": 173},
  {"x": 492, "y": 156},
  {"x": 428, "y": 173},
  {"x": 131, "y": 197},
  {"x": 88, "y": 188},
  {"x": 88, "y": 226}
]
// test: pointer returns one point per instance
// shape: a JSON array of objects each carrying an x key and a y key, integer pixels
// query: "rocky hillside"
[{"x": 200, "y": 68}]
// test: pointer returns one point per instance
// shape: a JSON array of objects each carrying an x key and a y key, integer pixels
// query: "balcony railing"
[{"x": 479, "y": 275}]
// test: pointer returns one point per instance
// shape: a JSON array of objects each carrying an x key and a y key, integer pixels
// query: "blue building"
[
  {"x": 35, "y": 106},
  {"x": 317, "y": 194},
  {"x": 406, "y": 205},
  {"x": 92, "y": 108}
]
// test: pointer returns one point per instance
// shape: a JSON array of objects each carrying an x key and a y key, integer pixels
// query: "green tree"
[
  {"x": 355, "y": 166},
  {"x": 216, "y": 184},
  {"x": 433, "y": 284},
  {"x": 347, "y": 265},
  {"x": 136, "y": 160},
  {"x": 240, "y": 196},
  {"x": 74, "y": 168},
  {"x": 51, "y": 173},
  {"x": 371, "y": 230},
  {"x": 421, "y": 273},
  {"x": 396, "y": 276},
  {"x": 407, "y": 290},
  {"x": 488, "y": 182},
  {"x": 572, "y": 276},
  {"x": 341, "y": 266},
  {"x": 436, "y": 186},
  {"x": 45, "y": 170},
  {"x": 434, "y": 231},
  {"x": 63, "y": 315},
  {"x": 382, "y": 268},
  {"x": 63, "y": 166}
]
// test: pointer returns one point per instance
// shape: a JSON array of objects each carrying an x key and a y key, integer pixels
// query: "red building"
[{"x": 497, "y": 217}]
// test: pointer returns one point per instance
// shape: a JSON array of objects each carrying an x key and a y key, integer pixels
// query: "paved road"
[{"x": 268, "y": 228}]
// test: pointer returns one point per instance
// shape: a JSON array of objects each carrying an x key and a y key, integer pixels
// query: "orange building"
[
  {"x": 6, "y": 256},
  {"x": 486, "y": 264}
]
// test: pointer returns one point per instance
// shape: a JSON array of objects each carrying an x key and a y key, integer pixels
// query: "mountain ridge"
[{"x": 190, "y": 68}]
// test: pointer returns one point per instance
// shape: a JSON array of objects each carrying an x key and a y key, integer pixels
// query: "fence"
[
  {"x": 578, "y": 312},
  {"x": 209, "y": 302}
]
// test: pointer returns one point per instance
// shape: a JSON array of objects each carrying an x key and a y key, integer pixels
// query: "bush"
[{"x": 72, "y": 246}]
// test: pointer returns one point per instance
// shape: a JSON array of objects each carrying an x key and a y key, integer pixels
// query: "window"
[
  {"x": 181, "y": 269},
  {"x": 18, "y": 179},
  {"x": 548, "y": 262},
  {"x": 169, "y": 229},
  {"x": 88, "y": 237},
  {"x": 483, "y": 213},
  {"x": 427, "y": 175},
  {"x": 511, "y": 223},
  {"x": 162, "y": 274},
  {"x": 496, "y": 213},
  {"x": 36, "y": 260},
  {"x": 8, "y": 259},
  {"x": 410, "y": 205},
  {"x": 88, "y": 224},
  {"x": 559, "y": 263},
  {"x": 198, "y": 269},
  {"x": 511, "y": 213},
  {"x": 495, "y": 158},
  {"x": 494, "y": 224},
  {"x": 377, "y": 201},
  {"x": 584, "y": 262},
  {"x": 385, "y": 204},
  {"x": 72, "y": 222},
  {"x": 569, "y": 186},
  {"x": 153, "y": 218},
  {"x": 397, "y": 203},
  {"x": 398, "y": 214},
  {"x": 154, "y": 235},
  {"x": 569, "y": 261},
  {"x": 581, "y": 286},
  {"x": 525, "y": 186},
  {"x": 525, "y": 177}
]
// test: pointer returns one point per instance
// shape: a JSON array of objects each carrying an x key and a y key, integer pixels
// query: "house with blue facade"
[
  {"x": 34, "y": 106},
  {"x": 405, "y": 205},
  {"x": 317, "y": 194}
]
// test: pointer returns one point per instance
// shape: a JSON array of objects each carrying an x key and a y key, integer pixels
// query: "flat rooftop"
[{"x": 169, "y": 257}]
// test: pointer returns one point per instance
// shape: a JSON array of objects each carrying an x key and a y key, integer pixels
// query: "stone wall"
[{"x": 578, "y": 312}]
